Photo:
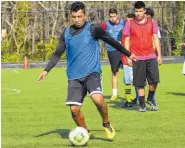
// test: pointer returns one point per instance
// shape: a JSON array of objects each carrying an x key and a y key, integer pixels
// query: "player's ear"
[
  {"x": 145, "y": 11},
  {"x": 85, "y": 16}
]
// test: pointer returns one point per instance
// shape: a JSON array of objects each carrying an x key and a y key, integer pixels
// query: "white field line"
[
  {"x": 12, "y": 91},
  {"x": 16, "y": 71}
]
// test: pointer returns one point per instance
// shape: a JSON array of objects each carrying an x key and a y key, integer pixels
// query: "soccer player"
[
  {"x": 128, "y": 73},
  {"x": 150, "y": 13},
  {"x": 80, "y": 41},
  {"x": 183, "y": 46},
  {"x": 140, "y": 34},
  {"x": 114, "y": 27}
]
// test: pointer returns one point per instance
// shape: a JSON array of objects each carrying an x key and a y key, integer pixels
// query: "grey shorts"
[
  {"x": 145, "y": 70},
  {"x": 78, "y": 88},
  {"x": 115, "y": 60}
]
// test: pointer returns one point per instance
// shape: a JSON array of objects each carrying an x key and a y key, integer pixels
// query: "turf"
[{"x": 34, "y": 114}]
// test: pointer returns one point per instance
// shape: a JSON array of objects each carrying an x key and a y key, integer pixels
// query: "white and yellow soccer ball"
[{"x": 78, "y": 136}]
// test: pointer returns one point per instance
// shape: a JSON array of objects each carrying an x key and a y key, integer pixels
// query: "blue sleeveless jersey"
[
  {"x": 114, "y": 30},
  {"x": 82, "y": 52}
]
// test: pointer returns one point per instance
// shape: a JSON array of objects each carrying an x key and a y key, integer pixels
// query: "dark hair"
[
  {"x": 113, "y": 10},
  {"x": 76, "y": 6},
  {"x": 131, "y": 15},
  {"x": 150, "y": 12},
  {"x": 139, "y": 5}
]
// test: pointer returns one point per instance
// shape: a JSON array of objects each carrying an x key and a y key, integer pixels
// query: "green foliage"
[
  {"x": 103, "y": 53},
  {"x": 179, "y": 21},
  {"x": 177, "y": 52},
  {"x": 19, "y": 40},
  {"x": 5, "y": 47},
  {"x": 47, "y": 49},
  {"x": 21, "y": 22},
  {"x": 177, "y": 33},
  {"x": 13, "y": 48},
  {"x": 13, "y": 57},
  {"x": 7, "y": 54},
  {"x": 50, "y": 47}
]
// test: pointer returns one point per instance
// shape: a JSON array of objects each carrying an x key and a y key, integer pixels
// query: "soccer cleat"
[
  {"x": 110, "y": 132},
  {"x": 127, "y": 104},
  {"x": 113, "y": 98},
  {"x": 134, "y": 102},
  {"x": 152, "y": 105},
  {"x": 142, "y": 108}
]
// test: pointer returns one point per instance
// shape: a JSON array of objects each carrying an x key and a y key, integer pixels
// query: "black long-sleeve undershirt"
[{"x": 96, "y": 31}]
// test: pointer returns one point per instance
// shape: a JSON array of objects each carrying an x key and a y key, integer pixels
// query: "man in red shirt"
[{"x": 140, "y": 33}]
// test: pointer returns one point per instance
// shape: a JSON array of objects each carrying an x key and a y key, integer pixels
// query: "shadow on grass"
[
  {"x": 119, "y": 103},
  {"x": 108, "y": 97},
  {"x": 176, "y": 94},
  {"x": 64, "y": 134},
  {"x": 100, "y": 138}
]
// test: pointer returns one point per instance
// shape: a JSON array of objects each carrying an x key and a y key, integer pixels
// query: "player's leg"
[
  {"x": 75, "y": 96},
  {"x": 153, "y": 79},
  {"x": 151, "y": 91},
  {"x": 136, "y": 99},
  {"x": 128, "y": 80},
  {"x": 139, "y": 81},
  {"x": 115, "y": 63},
  {"x": 93, "y": 84},
  {"x": 77, "y": 116},
  {"x": 183, "y": 69},
  {"x": 114, "y": 86},
  {"x": 101, "y": 105}
]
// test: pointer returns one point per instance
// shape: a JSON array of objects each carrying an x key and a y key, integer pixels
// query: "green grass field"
[{"x": 34, "y": 114}]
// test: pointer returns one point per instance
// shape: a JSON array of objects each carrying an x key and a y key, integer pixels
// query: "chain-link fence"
[{"x": 44, "y": 25}]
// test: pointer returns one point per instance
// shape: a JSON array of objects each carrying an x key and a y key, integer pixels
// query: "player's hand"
[
  {"x": 181, "y": 44},
  {"x": 133, "y": 57},
  {"x": 42, "y": 75},
  {"x": 129, "y": 61},
  {"x": 159, "y": 60}
]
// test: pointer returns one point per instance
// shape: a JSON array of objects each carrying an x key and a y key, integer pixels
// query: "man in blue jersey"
[
  {"x": 80, "y": 41},
  {"x": 114, "y": 28}
]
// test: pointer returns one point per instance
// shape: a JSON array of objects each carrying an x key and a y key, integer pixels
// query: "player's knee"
[
  {"x": 114, "y": 73},
  {"x": 100, "y": 104},
  {"x": 75, "y": 110}
]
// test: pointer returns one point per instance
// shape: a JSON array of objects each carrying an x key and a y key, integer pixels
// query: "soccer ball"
[{"x": 78, "y": 136}]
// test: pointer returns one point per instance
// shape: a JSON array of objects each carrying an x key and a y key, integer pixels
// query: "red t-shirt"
[
  {"x": 141, "y": 37},
  {"x": 123, "y": 57}
]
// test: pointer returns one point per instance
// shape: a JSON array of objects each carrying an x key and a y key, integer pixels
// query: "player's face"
[
  {"x": 113, "y": 17},
  {"x": 140, "y": 13},
  {"x": 78, "y": 18}
]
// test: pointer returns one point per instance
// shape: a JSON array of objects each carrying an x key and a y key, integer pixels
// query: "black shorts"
[
  {"x": 115, "y": 60},
  {"x": 145, "y": 70},
  {"x": 78, "y": 88}
]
